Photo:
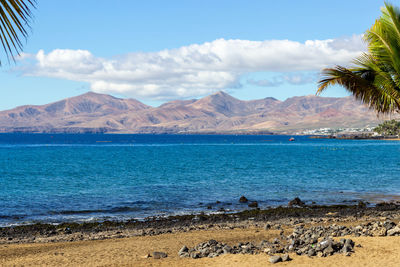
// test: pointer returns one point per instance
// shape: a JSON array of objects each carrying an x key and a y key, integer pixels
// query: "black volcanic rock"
[
  {"x": 243, "y": 199},
  {"x": 296, "y": 202}
]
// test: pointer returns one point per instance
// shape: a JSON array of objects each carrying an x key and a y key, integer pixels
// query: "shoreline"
[
  {"x": 216, "y": 208},
  {"x": 73, "y": 231},
  {"x": 256, "y": 239}
]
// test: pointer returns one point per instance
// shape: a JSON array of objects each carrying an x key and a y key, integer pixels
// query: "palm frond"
[
  {"x": 15, "y": 16},
  {"x": 375, "y": 77},
  {"x": 362, "y": 84}
]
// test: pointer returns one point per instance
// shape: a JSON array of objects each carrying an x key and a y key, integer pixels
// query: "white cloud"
[
  {"x": 192, "y": 70},
  {"x": 296, "y": 78}
]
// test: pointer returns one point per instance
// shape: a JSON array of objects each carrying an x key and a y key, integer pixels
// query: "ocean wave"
[{"x": 122, "y": 209}]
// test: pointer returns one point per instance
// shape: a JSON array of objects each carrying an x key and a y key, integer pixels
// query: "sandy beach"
[
  {"x": 375, "y": 251},
  {"x": 119, "y": 245}
]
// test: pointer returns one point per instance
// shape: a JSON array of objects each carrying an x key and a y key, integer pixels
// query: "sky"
[{"x": 156, "y": 51}]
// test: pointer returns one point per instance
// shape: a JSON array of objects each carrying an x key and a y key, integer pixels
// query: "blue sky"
[{"x": 160, "y": 50}]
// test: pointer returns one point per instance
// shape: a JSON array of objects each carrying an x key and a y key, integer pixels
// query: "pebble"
[
  {"x": 275, "y": 259},
  {"x": 285, "y": 257},
  {"x": 159, "y": 255},
  {"x": 394, "y": 231},
  {"x": 183, "y": 252}
]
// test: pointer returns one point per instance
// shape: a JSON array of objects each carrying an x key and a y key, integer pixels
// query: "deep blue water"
[{"x": 53, "y": 178}]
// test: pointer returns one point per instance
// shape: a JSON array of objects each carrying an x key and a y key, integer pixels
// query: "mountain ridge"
[{"x": 215, "y": 113}]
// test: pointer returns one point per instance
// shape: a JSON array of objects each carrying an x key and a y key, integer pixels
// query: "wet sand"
[{"x": 375, "y": 251}]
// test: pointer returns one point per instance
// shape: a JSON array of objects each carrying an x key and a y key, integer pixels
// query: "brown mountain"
[
  {"x": 71, "y": 114},
  {"x": 219, "y": 112}
]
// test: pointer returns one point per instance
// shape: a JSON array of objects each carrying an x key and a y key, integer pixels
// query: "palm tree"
[
  {"x": 15, "y": 16},
  {"x": 375, "y": 77}
]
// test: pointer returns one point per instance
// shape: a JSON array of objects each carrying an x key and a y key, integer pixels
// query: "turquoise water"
[{"x": 54, "y": 178}]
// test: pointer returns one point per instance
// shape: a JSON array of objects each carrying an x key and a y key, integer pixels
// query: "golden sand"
[{"x": 375, "y": 251}]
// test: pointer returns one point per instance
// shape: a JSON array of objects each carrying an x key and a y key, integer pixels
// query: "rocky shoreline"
[{"x": 291, "y": 216}]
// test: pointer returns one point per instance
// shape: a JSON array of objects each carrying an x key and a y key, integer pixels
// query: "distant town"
[{"x": 338, "y": 131}]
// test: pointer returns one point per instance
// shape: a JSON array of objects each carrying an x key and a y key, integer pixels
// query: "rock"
[
  {"x": 302, "y": 251},
  {"x": 379, "y": 232},
  {"x": 275, "y": 259},
  {"x": 253, "y": 204},
  {"x": 243, "y": 199},
  {"x": 285, "y": 257},
  {"x": 325, "y": 243},
  {"x": 267, "y": 226},
  {"x": 184, "y": 249},
  {"x": 159, "y": 255},
  {"x": 389, "y": 225},
  {"x": 195, "y": 254},
  {"x": 227, "y": 249},
  {"x": 329, "y": 250},
  {"x": 346, "y": 249},
  {"x": 311, "y": 253},
  {"x": 205, "y": 252},
  {"x": 393, "y": 231},
  {"x": 269, "y": 251},
  {"x": 245, "y": 250},
  {"x": 184, "y": 255},
  {"x": 358, "y": 228},
  {"x": 212, "y": 242},
  {"x": 296, "y": 202},
  {"x": 349, "y": 243},
  {"x": 212, "y": 255},
  {"x": 146, "y": 256}
]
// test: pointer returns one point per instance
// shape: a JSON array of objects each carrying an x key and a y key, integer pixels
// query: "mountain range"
[{"x": 216, "y": 113}]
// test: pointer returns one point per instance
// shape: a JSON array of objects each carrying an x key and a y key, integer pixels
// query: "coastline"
[
  {"x": 127, "y": 244},
  {"x": 208, "y": 209},
  {"x": 73, "y": 231},
  {"x": 355, "y": 137}
]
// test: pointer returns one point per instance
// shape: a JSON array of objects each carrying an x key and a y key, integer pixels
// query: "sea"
[{"x": 54, "y": 178}]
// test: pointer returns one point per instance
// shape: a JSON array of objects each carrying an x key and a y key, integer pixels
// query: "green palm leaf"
[
  {"x": 15, "y": 16},
  {"x": 375, "y": 77}
]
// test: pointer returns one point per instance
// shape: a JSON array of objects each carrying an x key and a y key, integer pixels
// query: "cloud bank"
[
  {"x": 193, "y": 70},
  {"x": 297, "y": 78}
]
